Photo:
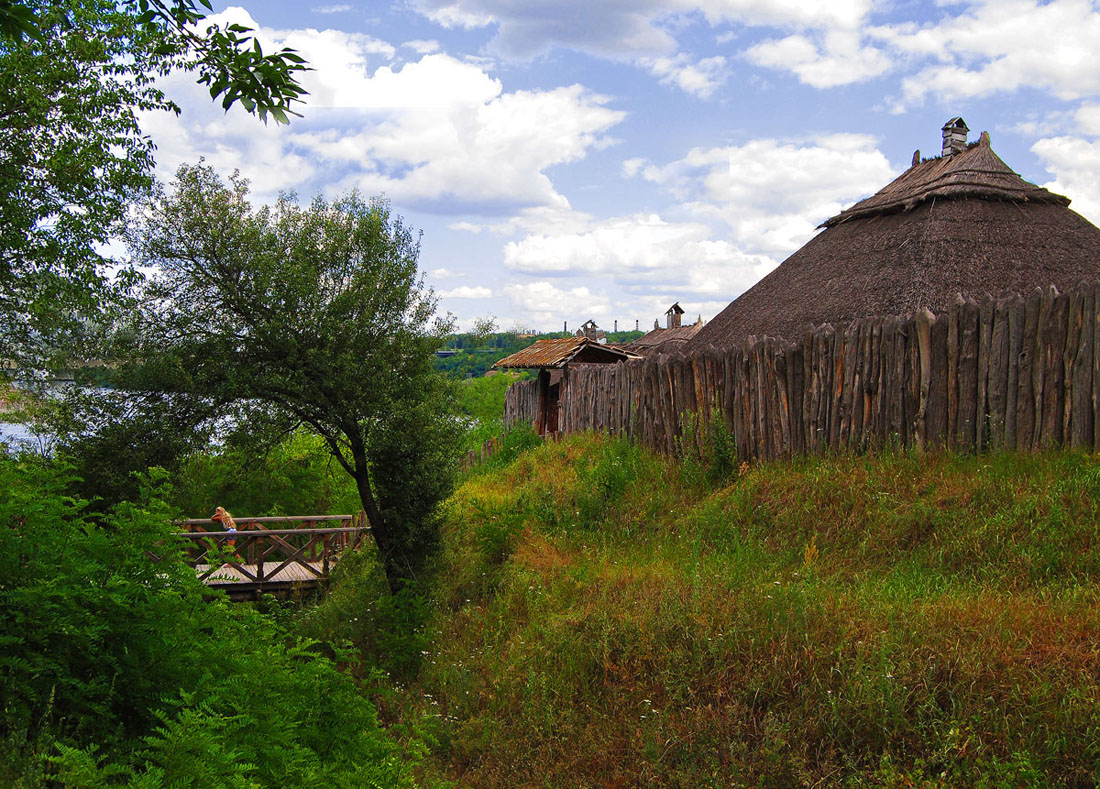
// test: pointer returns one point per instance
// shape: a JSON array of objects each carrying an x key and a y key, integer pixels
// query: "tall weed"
[{"x": 895, "y": 619}]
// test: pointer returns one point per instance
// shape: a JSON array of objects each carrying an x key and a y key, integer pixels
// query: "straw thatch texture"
[
  {"x": 959, "y": 225},
  {"x": 1015, "y": 372},
  {"x": 662, "y": 340}
]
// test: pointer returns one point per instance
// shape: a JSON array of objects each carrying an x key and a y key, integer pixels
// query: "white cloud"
[
  {"x": 1088, "y": 119},
  {"x": 772, "y": 193},
  {"x": 228, "y": 141},
  {"x": 336, "y": 8},
  {"x": 422, "y": 47},
  {"x": 697, "y": 77},
  {"x": 625, "y": 30},
  {"x": 631, "y": 167},
  {"x": 542, "y": 302},
  {"x": 1075, "y": 164},
  {"x": 765, "y": 197},
  {"x": 643, "y": 254},
  {"x": 445, "y": 273},
  {"x": 1000, "y": 46},
  {"x": 467, "y": 292},
  {"x": 487, "y": 150},
  {"x": 437, "y": 133},
  {"x": 840, "y": 58},
  {"x": 452, "y": 15},
  {"x": 643, "y": 32}
]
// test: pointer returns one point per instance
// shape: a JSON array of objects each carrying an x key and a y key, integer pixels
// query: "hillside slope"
[{"x": 604, "y": 617}]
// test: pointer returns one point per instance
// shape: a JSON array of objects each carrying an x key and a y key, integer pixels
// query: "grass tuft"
[{"x": 606, "y": 616}]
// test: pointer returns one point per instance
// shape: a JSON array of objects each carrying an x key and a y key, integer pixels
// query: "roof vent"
[
  {"x": 672, "y": 316},
  {"x": 954, "y": 136}
]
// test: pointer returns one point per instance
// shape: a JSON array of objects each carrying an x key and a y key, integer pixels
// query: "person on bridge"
[{"x": 222, "y": 516}]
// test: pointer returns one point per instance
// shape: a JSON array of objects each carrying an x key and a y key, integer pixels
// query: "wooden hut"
[
  {"x": 550, "y": 357},
  {"x": 962, "y": 223},
  {"x": 664, "y": 340}
]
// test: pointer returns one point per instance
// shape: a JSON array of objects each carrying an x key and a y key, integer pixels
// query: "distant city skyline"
[{"x": 571, "y": 161}]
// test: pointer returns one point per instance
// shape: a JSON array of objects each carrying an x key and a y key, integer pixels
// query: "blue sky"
[{"x": 568, "y": 160}]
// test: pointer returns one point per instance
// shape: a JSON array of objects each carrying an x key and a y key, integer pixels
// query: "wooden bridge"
[{"x": 269, "y": 554}]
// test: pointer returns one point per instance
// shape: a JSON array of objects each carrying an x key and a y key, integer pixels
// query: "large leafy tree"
[
  {"x": 315, "y": 314},
  {"x": 74, "y": 74}
]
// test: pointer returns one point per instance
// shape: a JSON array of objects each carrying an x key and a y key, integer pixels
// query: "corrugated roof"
[{"x": 558, "y": 352}]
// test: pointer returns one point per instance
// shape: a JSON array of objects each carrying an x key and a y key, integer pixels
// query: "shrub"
[{"x": 114, "y": 667}]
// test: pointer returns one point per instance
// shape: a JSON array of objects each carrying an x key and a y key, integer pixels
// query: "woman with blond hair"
[{"x": 222, "y": 516}]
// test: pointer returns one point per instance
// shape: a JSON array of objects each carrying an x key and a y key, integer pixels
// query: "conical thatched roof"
[{"x": 957, "y": 224}]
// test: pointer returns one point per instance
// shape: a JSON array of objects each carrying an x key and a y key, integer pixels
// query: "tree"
[
  {"x": 73, "y": 76},
  {"x": 315, "y": 313}
]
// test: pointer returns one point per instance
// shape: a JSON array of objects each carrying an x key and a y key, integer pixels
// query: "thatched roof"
[
  {"x": 663, "y": 340},
  {"x": 555, "y": 353},
  {"x": 958, "y": 224}
]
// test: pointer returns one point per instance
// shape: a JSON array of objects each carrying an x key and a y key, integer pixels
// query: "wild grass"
[{"x": 604, "y": 616}]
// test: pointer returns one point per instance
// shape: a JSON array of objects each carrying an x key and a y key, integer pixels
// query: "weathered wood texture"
[
  {"x": 521, "y": 402},
  {"x": 1008, "y": 372}
]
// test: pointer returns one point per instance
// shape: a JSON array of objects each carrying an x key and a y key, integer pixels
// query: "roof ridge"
[{"x": 970, "y": 173}]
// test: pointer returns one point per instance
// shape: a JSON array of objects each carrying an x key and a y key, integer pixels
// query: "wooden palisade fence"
[
  {"x": 521, "y": 402},
  {"x": 1011, "y": 372}
]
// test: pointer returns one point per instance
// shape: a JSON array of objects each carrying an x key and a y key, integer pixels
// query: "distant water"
[{"x": 16, "y": 436}]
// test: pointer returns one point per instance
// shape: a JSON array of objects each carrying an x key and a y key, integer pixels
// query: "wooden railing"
[{"x": 258, "y": 555}]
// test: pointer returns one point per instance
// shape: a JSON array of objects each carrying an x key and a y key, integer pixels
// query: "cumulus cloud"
[
  {"x": 1088, "y": 119},
  {"x": 974, "y": 48},
  {"x": 645, "y": 256},
  {"x": 756, "y": 203},
  {"x": 542, "y": 301},
  {"x": 1075, "y": 163},
  {"x": 466, "y": 292},
  {"x": 437, "y": 133},
  {"x": 1002, "y": 45},
  {"x": 697, "y": 77},
  {"x": 422, "y": 47},
  {"x": 643, "y": 32},
  {"x": 486, "y": 152},
  {"x": 837, "y": 57},
  {"x": 772, "y": 193},
  {"x": 635, "y": 29}
]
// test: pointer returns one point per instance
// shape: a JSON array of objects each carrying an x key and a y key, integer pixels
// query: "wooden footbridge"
[{"x": 272, "y": 554}]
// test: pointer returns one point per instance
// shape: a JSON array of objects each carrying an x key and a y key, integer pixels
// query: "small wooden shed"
[{"x": 551, "y": 357}]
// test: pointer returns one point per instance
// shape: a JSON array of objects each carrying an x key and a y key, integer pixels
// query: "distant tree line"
[{"x": 474, "y": 354}]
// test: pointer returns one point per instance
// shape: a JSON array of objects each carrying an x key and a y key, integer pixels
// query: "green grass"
[{"x": 603, "y": 616}]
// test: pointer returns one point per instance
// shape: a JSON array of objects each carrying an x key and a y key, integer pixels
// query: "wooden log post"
[
  {"x": 1054, "y": 341},
  {"x": 967, "y": 377},
  {"x": 925, "y": 320},
  {"x": 1016, "y": 319},
  {"x": 982, "y": 422},
  {"x": 1095, "y": 390},
  {"x": 1078, "y": 432},
  {"x": 1026, "y": 377}
]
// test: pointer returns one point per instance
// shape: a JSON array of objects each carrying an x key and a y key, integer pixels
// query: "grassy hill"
[{"x": 607, "y": 617}]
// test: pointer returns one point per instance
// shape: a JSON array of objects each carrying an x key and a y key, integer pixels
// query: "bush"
[
  {"x": 297, "y": 476},
  {"x": 113, "y": 667}
]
